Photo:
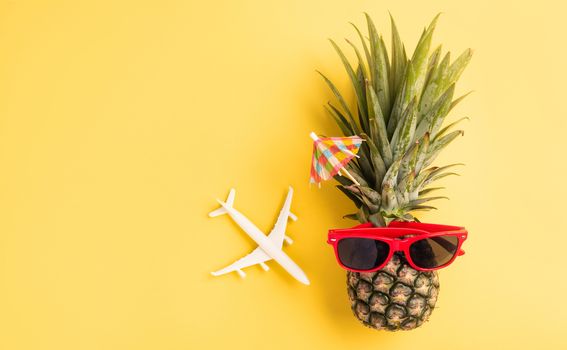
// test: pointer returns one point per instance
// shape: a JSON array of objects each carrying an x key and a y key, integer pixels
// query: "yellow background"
[{"x": 121, "y": 122}]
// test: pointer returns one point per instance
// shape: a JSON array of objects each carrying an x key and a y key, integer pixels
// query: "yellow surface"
[{"x": 121, "y": 122}]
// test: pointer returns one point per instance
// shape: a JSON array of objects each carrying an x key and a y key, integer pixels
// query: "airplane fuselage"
[{"x": 267, "y": 245}]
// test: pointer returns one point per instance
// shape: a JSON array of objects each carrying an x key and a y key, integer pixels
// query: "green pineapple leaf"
[
  {"x": 357, "y": 173},
  {"x": 459, "y": 99},
  {"x": 405, "y": 131},
  {"x": 457, "y": 67},
  {"x": 429, "y": 190},
  {"x": 435, "y": 116},
  {"x": 354, "y": 81},
  {"x": 422, "y": 152},
  {"x": 399, "y": 60},
  {"x": 434, "y": 86},
  {"x": 360, "y": 60},
  {"x": 432, "y": 63},
  {"x": 448, "y": 127},
  {"x": 415, "y": 75},
  {"x": 378, "y": 126},
  {"x": 377, "y": 220},
  {"x": 340, "y": 120},
  {"x": 421, "y": 208},
  {"x": 381, "y": 81},
  {"x": 431, "y": 179},
  {"x": 389, "y": 199},
  {"x": 409, "y": 160},
  {"x": 350, "y": 216},
  {"x": 437, "y": 145},
  {"x": 369, "y": 197},
  {"x": 424, "y": 200},
  {"x": 342, "y": 102},
  {"x": 377, "y": 162},
  {"x": 353, "y": 197},
  {"x": 439, "y": 170},
  {"x": 366, "y": 52}
]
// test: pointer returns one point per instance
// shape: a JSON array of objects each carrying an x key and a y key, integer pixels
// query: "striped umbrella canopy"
[{"x": 331, "y": 155}]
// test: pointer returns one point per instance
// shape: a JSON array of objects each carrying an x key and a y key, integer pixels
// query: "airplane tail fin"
[{"x": 228, "y": 204}]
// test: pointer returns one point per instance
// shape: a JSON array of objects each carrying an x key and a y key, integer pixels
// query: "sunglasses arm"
[{"x": 461, "y": 252}]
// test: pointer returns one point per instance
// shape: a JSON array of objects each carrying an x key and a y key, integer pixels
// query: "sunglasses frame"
[{"x": 392, "y": 234}]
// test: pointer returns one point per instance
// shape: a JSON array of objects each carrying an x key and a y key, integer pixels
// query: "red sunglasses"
[{"x": 426, "y": 247}]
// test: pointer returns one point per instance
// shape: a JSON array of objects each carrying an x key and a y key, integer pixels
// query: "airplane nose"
[{"x": 303, "y": 279}]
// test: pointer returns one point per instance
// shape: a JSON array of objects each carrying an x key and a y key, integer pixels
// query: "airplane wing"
[
  {"x": 257, "y": 256},
  {"x": 277, "y": 234}
]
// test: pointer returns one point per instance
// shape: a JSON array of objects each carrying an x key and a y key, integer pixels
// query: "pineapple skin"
[{"x": 394, "y": 298}]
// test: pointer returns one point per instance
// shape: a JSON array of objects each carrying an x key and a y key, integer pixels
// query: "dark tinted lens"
[
  {"x": 433, "y": 252},
  {"x": 362, "y": 253}
]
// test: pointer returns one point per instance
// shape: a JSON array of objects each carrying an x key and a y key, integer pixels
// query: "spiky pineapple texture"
[
  {"x": 401, "y": 105},
  {"x": 397, "y": 297}
]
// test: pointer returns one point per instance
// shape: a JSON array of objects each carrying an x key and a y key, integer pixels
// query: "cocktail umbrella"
[{"x": 331, "y": 155}]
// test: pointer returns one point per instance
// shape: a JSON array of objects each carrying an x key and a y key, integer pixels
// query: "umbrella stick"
[
  {"x": 349, "y": 176},
  {"x": 349, "y": 152}
]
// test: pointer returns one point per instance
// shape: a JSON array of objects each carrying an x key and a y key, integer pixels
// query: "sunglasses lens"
[
  {"x": 362, "y": 253},
  {"x": 433, "y": 252}
]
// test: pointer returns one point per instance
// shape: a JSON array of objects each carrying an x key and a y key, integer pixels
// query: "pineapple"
[{"x": 401, "y": 104}]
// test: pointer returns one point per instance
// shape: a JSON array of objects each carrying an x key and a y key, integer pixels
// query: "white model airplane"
[{"x": 269, "y": 247}]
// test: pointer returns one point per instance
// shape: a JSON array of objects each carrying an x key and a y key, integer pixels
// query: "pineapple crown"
[{"x": 401, "y": 104}]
